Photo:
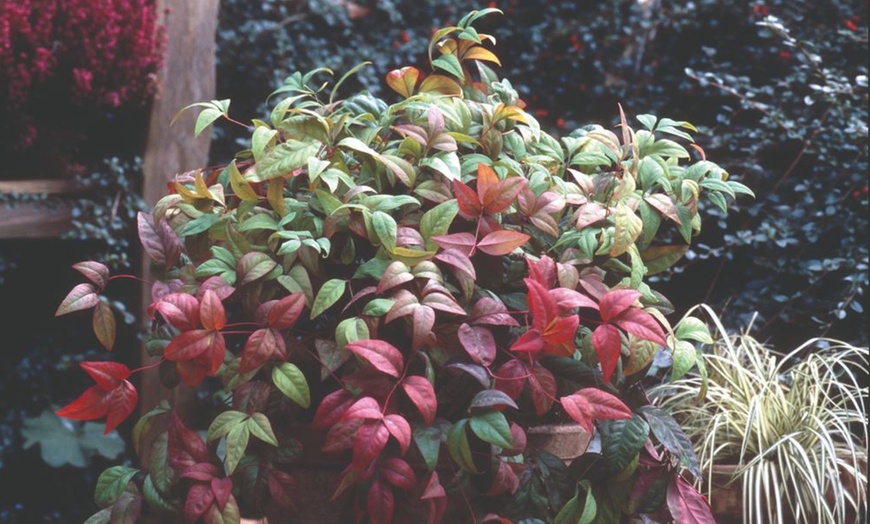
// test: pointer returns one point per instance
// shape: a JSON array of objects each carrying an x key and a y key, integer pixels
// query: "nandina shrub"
[
  {"x": 404, "y": 289},
  {"x": 73, "y": 63}
]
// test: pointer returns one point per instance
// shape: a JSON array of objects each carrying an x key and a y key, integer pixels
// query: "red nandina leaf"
[
  {"x": 82, "y": 297},
  {"x": 192, "y": 372},
  {"x": 211, "y": 312},
  {"x": 94, "y": 271},
  {"x": 458, "y": 260},
  {"x": 405, "y": 304},
  {"x": 341, "y": 435},
  {"x": 542, "y": 388},
  {"x": 107, "y": 375},
  {"x": 179, "y": 309},
  {"x": 364, "y": 408},
  {"x": 422, "y": 394},
  {"x": 202, "y": 471},
  {"x": 511, "y": 378},
  {"x": 104, "y": 325},
  {"x": 616, "y": 301},
  {"x": 604, "y": 405},
  {"x": 491, "y": 399},
  {"x": 492, "y": 312},
  {"x": 608, "y": 347},
  {"x": 478, "y": 343},
  {"x": 282, "y": 488},
  {"x": 469, "y": 204},
  {"x": 286, "y": 312},
  {"x": 443, "y": 302},
  {"x": 199, "y": 499},
  {"x": 530, "y": 342},
  {"x": 261, "y": 345},
  {"x": 433, "y": 489},
  {"x": 519, "y": 440},
  {"x": 222, "y": 489},
  {"x": 486, "y": 179},
  {"x": 502, "y": 242},
  {"x": 217, "y": 284},
  {"x": 505, "y": 480},
  {"x": 543, "y": 272},
  {"x": 332, "y": 408},
  {"x": 120, "y": 401},
  {"x": 579, "y": 409},
  {"x": 570, "y": 299},
  {"x": 499, "y": 197},
  {"x": 185, "y": 447},
  {"x": 642, "y": 325},
  {"x": 189, "y": 345},
  {"x": 541, "y": 304},
  {"x": 381, "y": 355},
  {"x": 686, "y": 504},
  {"x": 370, "y": 440},
  {"x": 380, "y": 503},
  {"x": 90, "y": 405},
  {"x": 396, "y": 274},
  {"x": 398, "y": 473},
  {"x": 462, "y": 242},
  {"x": 559, "y": 336},
  {"x": 400, "y": 430},
  {"x": 158, "y": 240},
  {"x": 424, "y": 320}
]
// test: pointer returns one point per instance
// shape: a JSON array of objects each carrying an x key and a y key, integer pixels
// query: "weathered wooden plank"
[
  {"x": 34, "y": 220},
  {"x": 46, "y": 186}
]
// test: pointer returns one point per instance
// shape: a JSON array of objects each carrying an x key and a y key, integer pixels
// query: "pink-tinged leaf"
[
  {"x": 341, "y": 435},
  {"x": 203, "y": 472},
  {"x": 217, "y": 284},
  {"x": 283, "y": 488},
  {"x": 591, "y": 280},
  {"x": 505, "y": 480},
  {"x": 82, "y": 297},
  {"x": 380, "y": 503},
  {"x": 90, "y": 405},
  {"x": 211, "y": 312},
  {"x": 542, "y": 389},
  {"x": 185, "y": 447},
  {"x": 400, "y": 430},
  {"x": 159, "y": 241},
  {"x": 222, "y": 489},
  {"x": 435, "y": 120},
  {"x": 409, "y": 237},
  {"x": 94, "y": 271},
  {"x": 104, "y": 325},
  {"x": 107, "y": 375},
  {"x": 499, "y": 197},
  {"x": 286, "y": 312},
  {"x": 543, "y": 272},
  {"x": 492, "y": 312},
  {"x": 519, "y": 440},
  {"x": 486, "y": 180},
  {"x": 422, "y": 394},
  {"x": 589, "y": 214},
  {"x": 529, "y": 342},
  {"x": 686, "y": 505},
  {"x": 417, "y": 133},
  {"x": 365, "y": 408},
  {"x": 570, "y": 299},
  {"x": 179, "y": 309},
  {"x": 469, "y": 203},
  {"x": 511, "y": 378},
  {"x": 642, "y": 325},
  {"x": 616, "y": 301},
  {"x": 608, "y": 347},
  {"x": 604, "y": 405},
  {"x": 189, "y": 345},
  {"x": 403, "y": 81},
  {"x": 424, "y": 320},
  {"x": 397, "y": 273},
  {"x": 462, "y": 242},
  {"x": 458, "y": 260},
  {"x": 502, "y": 242},
  {"x": 443, "y": 302},
  {"x": 398, "y": 473},
  {"x": 541, "y": 304},
  {"x": 381, "y": 355},
  {"x": 578, "y": 408},
  {"x": 199, "y": 499},
  {"x": 405, "y": 304},
  {"x": 478, "y": 342},
  {"x": 549, "y": 202},
  {"x": 370, "y": 440},
  {"x": 160, "y": 289},
  {"x": 665, "y": 206},
  {"x": 433, "y": 489},
  {"x": 120, "y": 403},
  {"x": 359, "y": 295},
  {"x": 260, "y": 347},
  {"x": 332, "y": 408}
]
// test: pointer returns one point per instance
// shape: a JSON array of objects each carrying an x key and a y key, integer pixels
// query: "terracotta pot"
[
  {"x": 726, "y": 495},
  {"x": 565, "y": 441}
]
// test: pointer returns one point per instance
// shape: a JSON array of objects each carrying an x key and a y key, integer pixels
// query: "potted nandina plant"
[{"x": 389, "y": 301}]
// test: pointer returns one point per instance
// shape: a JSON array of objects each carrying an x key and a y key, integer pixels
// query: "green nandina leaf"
[
  {"x": 437, "y": 222},
  {"x": 111, "y": 484},
  {"x": 223, "y": 423},
  {"x": 628, "y": 228},
  {"x": 63, "y": 441},
  {"x": 162, "y": 474},
  {"x": 693, "y": 329},
  {"x": 621, "y": 441},
  {"x": 253, "y": 266},
  {"x": 144, "y": 425},
  {"x": 198, "y": 225},
  {"x": 428, "y": 440},
  {"x": 237, "y": 442},
  {"x": 260, "y": 427},
  {"x": 660, "y": 258},
  {"x": 329, "y": 293},
  {"x": 448, "y": 62},
  {"x": 492, "y": 427},
  {"x": 386, "y": 228},
  {"x": 573, "y": 512},
  {"x": 684, "y": 358},
  {"x": 350, "y": 330},
  {"x": 206, "y": 117},
  {"x": 104, "y": 516},
  {"x": 459, "y": 448},
  {"x": 672, "y": 437},
  {"x": 289, "y": 380},
  {"x": 283, "y": 159},
  {"x": 378, "y": 307},
  {"x": 104, "y": 325},
  {"x": 259, "y": 221},
  {"x": 156, "y": 499},
  {"x": 260, "y": 141}
]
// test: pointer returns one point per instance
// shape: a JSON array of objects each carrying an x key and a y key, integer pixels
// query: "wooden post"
[{"x": 187, "y": 76}]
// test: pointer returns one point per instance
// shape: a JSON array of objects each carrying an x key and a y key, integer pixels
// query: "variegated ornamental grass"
[{"x": 794, "y": 424}]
